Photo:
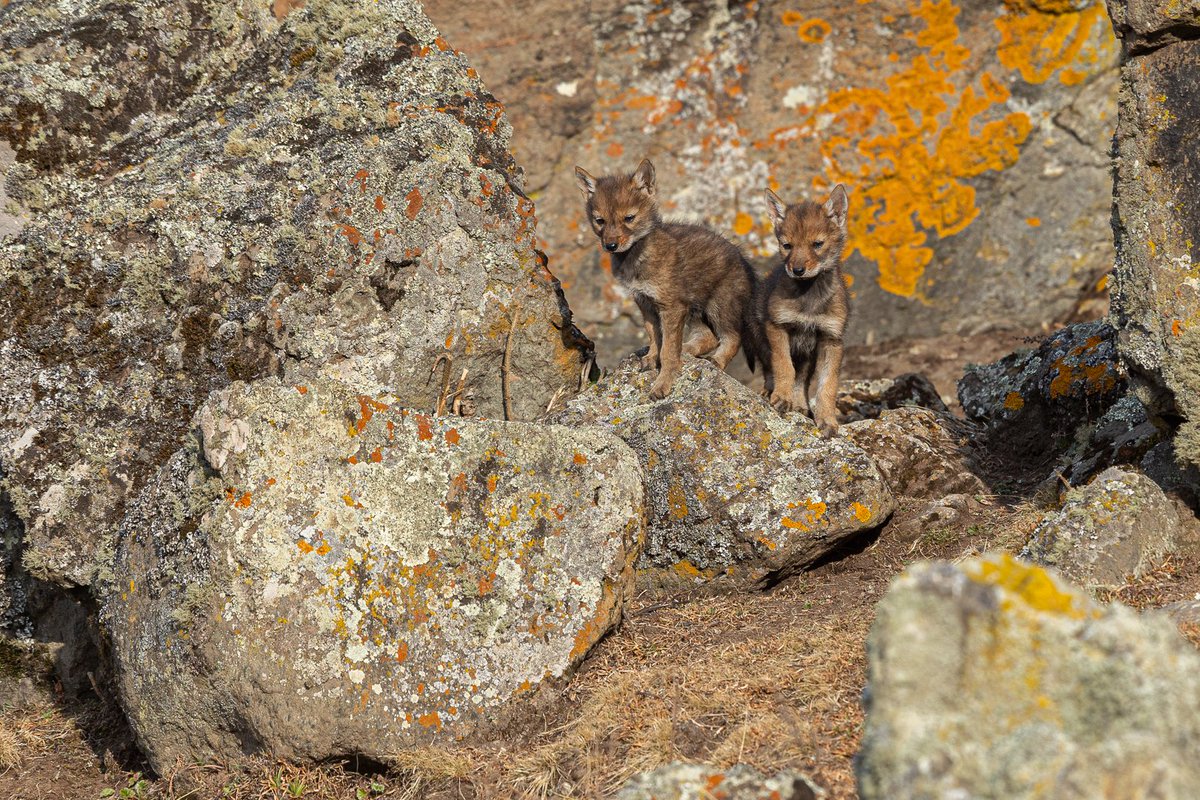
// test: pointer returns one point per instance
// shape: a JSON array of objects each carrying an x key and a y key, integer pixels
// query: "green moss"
[{"x": 1187, "y": 371}]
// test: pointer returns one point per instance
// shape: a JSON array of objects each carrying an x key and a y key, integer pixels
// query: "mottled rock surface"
[
  {"x": 1033, "y": 403},
  {"x": 336, "y": 198},
  {"x": 733, "y": 488},
  {"x": 1116, "y": 528},
  {"x": 994, "y": 679},
  {"x": 973, "y": 138},
  {"x": 1156, "y": 208},
  {"x": 680, "y": 781},
  {"x": 868, "y": 399},
  {"x": 918, "y": 451},
  {"x": 356, "y": 577}
]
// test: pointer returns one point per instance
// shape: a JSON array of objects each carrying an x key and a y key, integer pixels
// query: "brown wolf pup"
[
  {"x": 673, "y": 270},
  {"x": 804, "y": 305}
]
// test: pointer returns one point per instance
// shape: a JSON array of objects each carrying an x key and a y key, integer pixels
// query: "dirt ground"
[{"x": 770, "y": 679}]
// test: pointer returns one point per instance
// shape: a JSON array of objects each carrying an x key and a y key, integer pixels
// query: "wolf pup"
[
  {"x": 804, "y": 305},
  {"x": 673, "y": 270}
]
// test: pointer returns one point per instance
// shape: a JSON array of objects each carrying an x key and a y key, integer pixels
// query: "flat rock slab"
[
  {"x": 992, "y": 678},
  {"x": 323, "y": 574},
  {"x": 1112, "y": 530},
  {"x": 733, "y": 488}
]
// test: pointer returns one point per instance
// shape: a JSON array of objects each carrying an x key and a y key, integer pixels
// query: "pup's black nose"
[{"x": 611, "y": 247}]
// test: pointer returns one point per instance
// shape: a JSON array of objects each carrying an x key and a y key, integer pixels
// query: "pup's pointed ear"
[
  {"x": 643, "y": 176},
  {"x": 775, "y": 207},
  {"x": 837, "y": 205},
  {"x": 587, "y": 184}
]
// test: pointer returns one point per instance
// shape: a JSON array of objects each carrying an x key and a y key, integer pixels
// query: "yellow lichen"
[{"x": 1031, "y": 585}]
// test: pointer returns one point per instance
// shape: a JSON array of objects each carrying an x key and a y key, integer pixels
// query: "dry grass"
[{"x": 25, "y": 733}]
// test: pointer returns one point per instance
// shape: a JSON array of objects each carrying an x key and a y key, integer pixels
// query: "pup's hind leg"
[
  {"x": 726, "y": 322},
  {"x": 701, "y": 342}
]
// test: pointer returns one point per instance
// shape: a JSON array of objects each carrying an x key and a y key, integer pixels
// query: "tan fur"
[
  {"x": 804, "y": 306},
  {"x": 674, "y": 271}
]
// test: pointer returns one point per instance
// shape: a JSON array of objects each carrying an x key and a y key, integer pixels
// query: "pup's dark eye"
[
  {"x": 787, "y": 246},
  {"x": 629, "y": 217},
  {"x": 599, "y": 220},
  {"x": 817, "y": 245}
]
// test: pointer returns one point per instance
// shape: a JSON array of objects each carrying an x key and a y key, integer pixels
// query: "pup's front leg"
[
  {"x": 672, "y": 320},
  {"x": 653, "y": 330}
]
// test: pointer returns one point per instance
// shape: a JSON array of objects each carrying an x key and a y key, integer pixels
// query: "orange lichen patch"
[
  {"x": 424, "y": 430},
  {"x": 813, "y": 31},
  {"x": 1102, "y": 284},
  {"x": 430, "y": 720},
  {"x": 768, "y": 543},
  {"x": 847, "y": 279},
  {"x": 614, "y": 150},
  {"x": 486, "y": 583},
  {"x": 379, "y": 204},
  {"x": 361, "y": 176},
  {"x": 376, "y": 456},
  {"x": 304, "y": 546},
  {"x": 415, "y": 201},
  {"x": 491, "y": 482},
  {"x": 861, "y": 512},
  {"x": 352, "y": 234},
  {"x": 302, "y": 389},
  {"x": 743, "y": 223},
  {"x": 367, "y": 408},
  {"x": 595, "y": 627},
  {"x": 714, "y": 781},
  {"x": 1176, "y": 327},
  {"x": 244, "y": 501},
  {"x": 1013, "y": 401},
  {"x": 452, "y": 436},
  {"x": 1038, "y": 38},
  {"x": 810, "y": 513},
  {"x": 580, "y": 459},
  {"x": 324, "y": 549},
  {"x": 677, "y": 499},
  {"x": 1033, "y": 222},
  {"x": 1032, "y": 585}
]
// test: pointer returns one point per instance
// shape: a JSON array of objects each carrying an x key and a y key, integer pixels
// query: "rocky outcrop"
[
  {"x": 1156, "y": 207},
  {"x": 329, "y": 195},
  {"x": 733, "y": 489},
  {"x": 1037, "y": 405},
  {"x": 994, "y": 679},
  {"x": 1114, "y": 529},
  {"x": 680, "y": 781},
  {"x": 323, "y": 573},
  {"x": 973, "y": 139}
]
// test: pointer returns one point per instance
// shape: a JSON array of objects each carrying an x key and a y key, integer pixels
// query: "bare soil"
[{"x": 771, "y": 679}]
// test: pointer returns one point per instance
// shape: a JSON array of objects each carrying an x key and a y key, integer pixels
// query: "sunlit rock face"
[{"x": 973, "y": 138}]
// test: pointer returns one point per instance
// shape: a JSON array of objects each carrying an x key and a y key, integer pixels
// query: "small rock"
[
  {"x": 868, "y": 399},
  {"x": 734, "y": 489},
  {"x": 917, "y": 452},
  {"x": 1108, "y": 532},
  {"x": 991, "y": 678},
  {"x": 680, "y": 781}
]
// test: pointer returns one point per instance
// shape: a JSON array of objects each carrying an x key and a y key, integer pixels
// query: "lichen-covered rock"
[
  {"x": 1116, "y": 528},
  {"x": 868, "y": 399},
  {"x": 733, "y": 488},
  {"x": 1156, "y": 208},
  {"x": 994, "y": 679},
  {"x": 83, "y": 72},
  {"x": 917, "y": 452},
  {"x": 1033, "y": 402},
  {"x": 680, "y": 781},
  {"x": 357, "y": 577},
  {"x": 973, "y": 138},
  {"x": 343, "y": 204}
]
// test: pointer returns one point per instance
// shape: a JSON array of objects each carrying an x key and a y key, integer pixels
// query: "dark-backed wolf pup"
[
  {"x": 673, "y": 270},
  {"x": 804, "y": 305}
]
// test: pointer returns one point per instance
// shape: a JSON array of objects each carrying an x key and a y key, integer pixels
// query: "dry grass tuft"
[{"x": 29, "y": 732}]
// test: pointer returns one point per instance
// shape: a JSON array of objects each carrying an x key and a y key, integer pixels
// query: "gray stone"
[
  {"x": 918, "y": 453},
  {"x": 359, "y": 577},
  {"x": 991, "y": 678},
  {"x": 1112, "y": 530},
  {"x": 733, "y": 489},
  {"x": 343, "y": 204},
  {"x": 868, "y": 399},
  {"x": 680, "y": 781}
]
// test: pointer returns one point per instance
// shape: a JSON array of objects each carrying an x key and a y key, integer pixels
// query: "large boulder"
[
  {"x": 1156, "y": 207},
  {"x": 973, "y": 138},
  {"x": 1037, "y": 405},
  {"x": 341, "y": 203},
  {"x": 1113, "y": 530},
  {"x": 321, "y": 573},
  {"x": 991, "y": 678},
  {"x": 733, "y": 489}
]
